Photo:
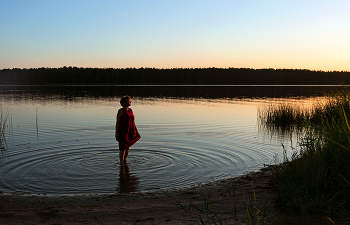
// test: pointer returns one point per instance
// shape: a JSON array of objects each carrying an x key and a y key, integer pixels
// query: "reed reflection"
[
  {"x": 71, "y": 93},
  {"x": 4, "y": 117},
  {"x": 127, "y": 181}
]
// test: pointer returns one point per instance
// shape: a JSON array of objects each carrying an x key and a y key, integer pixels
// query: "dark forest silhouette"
[{"x": 74, "y": 75}]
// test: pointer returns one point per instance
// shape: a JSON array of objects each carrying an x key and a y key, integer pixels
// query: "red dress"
[{"x": 128, "y": 134}]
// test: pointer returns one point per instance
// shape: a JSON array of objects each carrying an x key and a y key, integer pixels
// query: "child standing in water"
[{"x": 125, "y": 129}]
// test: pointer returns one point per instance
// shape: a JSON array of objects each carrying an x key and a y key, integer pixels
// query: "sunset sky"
[{"x": 298, "y": 34}]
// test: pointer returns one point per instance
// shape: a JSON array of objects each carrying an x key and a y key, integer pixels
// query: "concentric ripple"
[{"x": 57, "y": 149}]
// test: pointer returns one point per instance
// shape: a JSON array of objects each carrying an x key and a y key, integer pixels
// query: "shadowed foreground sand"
[{"x": 141, "y": 208}]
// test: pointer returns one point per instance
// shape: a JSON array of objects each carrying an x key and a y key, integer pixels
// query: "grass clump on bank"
[
  {"x": 316, "y": 179},
  {"x": 257, "y": 212}
]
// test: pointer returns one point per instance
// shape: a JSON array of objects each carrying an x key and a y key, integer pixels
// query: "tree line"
[{"x": 75, "y": 75}]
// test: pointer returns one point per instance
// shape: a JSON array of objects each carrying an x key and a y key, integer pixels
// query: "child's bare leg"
[
  {"x": 126, "y": 153},
  {"x": 121, "y": 155}
]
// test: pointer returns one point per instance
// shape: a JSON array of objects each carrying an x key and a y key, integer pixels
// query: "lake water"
[{"x": 60, "y": 140}]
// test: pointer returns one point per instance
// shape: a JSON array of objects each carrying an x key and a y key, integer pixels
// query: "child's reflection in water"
[{"x": 127, "y": 182}]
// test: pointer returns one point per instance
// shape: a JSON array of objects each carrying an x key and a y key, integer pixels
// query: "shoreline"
[
  {"x": 148, "y": 207},
  {"x": 209, "y": 184}
]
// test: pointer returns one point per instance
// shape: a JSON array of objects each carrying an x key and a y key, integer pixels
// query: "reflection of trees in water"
[
  {"x": 127, "y": 182},
  {"x": 76, "y": 93}
]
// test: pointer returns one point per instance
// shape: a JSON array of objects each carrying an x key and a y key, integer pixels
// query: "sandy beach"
[{"x": 161, "y": 207}]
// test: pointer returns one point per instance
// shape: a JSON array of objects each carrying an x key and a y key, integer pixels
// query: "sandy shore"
[{"x": 143, "y": 208}]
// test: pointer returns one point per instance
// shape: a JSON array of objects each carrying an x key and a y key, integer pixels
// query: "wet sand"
[{"x": 161, "y": 207}]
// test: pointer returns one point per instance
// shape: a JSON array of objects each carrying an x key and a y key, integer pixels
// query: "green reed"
[
  {"x": 315, "y": 178},
  {"x": 3, "y": 125},
  {"x": 284, "y": 115},
  {"x": 203, "y": 214}
]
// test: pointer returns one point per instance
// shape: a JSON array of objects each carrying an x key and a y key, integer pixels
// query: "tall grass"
[
  {"x": 286, "y": 114},
  {"x": 315, "y": 179}
]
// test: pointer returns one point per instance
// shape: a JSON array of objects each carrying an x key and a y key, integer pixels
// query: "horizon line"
[{"x": 172, "y": 68}]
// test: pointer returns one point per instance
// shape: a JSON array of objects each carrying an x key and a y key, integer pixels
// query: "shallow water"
[{"x": 63, "y": 142}]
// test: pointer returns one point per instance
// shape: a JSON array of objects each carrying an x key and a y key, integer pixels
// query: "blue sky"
[{"x": 308, "y": 34}]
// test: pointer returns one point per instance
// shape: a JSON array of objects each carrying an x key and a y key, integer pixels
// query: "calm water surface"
[{"x": 62, "y": 141}]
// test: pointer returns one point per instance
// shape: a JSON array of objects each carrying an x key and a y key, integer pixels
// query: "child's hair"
[{"x": 123, "y": 100}]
